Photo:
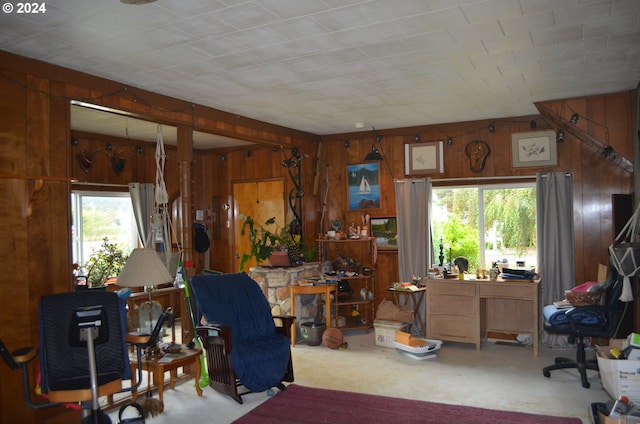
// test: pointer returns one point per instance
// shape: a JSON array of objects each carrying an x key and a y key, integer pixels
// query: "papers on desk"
[{"x": 408, "y": 288}]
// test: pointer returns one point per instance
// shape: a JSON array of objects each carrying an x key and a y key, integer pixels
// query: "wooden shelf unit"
[{"x": 363, "y": 251}]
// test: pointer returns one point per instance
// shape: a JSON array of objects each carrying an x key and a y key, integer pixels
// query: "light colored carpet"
[{"x": 496, "y": 377}]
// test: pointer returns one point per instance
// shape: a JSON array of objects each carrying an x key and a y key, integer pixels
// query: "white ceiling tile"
[
  {"x": 387, "y": 48},
  {"x": 583, "y": 13},
  {"x": 491, "y": 10},
  {"x": 203, "y": 26},
  {"x": 616, "y": 25},
  {"x": 256, "y": 37},
  {"x": 246, "y": 15},
  {"x": 320, "y": 65},
  {"x": 192, "y": 8},
  {"x": 517, "y": 25},
  {"x": 296, "y": 28},
  {"x": 556, "y": 35},
  {"x": 287, "y": 9}
]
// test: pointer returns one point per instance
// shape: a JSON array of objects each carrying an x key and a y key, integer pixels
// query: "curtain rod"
[
  {"x": 511, "y": 177},
  {"x": 507, "y": 177},
  {"x": 86, "y": 183}
]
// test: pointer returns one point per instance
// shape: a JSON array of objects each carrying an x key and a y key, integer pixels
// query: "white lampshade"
[{"x": 143, "y": 268}]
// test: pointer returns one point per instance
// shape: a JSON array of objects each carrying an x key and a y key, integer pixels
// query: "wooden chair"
[{"x": 245, "y": 351}]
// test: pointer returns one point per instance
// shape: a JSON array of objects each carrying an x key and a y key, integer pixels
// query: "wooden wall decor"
[{"x": 477, "y": 152}]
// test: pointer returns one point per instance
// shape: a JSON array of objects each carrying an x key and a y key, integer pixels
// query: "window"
[
  {"x": 485, "y": 224},
  {"x": 99, "y": 215}
]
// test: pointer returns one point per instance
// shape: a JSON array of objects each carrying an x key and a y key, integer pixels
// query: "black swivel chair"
[
  {"x": 83, "y": 351},
  {"x": 586, "y": 321}
]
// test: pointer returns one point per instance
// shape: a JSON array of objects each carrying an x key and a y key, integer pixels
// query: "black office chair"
[
  {"x": 586, "y": 321},
  {"x": 83, "y": 351}
]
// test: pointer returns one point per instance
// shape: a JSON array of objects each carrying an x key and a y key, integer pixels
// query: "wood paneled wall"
[
  {"x": 610, "y": 118},
  {"x": 35, "y": 140}
]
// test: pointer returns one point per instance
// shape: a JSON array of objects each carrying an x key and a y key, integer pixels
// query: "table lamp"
[{"x": 144, "y": 268}]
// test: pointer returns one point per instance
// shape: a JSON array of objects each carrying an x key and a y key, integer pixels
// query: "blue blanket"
[
  {"x": 259, "y": 355},
  {"x": 579, "y": 316}
]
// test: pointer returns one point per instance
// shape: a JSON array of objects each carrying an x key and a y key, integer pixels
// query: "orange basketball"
[{"x": 332, "y": 338}]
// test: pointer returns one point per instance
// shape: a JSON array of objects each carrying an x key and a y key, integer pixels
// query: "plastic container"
[
  {"x": 429, "y": 350},
  {"x": 312, "y": 332},
  {"x": 620, "y": 407}
]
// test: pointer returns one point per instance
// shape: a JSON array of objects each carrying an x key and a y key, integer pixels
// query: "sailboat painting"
[{"x": 364, "y": 186}]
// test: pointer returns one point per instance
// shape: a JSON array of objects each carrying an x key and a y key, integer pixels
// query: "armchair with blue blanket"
[
  {"x": 243, "y": 346},
  {"x": 582, "y": 322}
]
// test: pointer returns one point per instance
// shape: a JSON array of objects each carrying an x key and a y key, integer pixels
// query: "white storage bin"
[{"x": 429, "y": 350}]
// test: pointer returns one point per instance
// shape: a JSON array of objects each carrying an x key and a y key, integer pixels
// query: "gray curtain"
[
  {"x": 555, "y": 235},
  {"x": 413, "y": 203},
  {"x": 142, "y": 200},
  {"x": 413, "y": 200}
]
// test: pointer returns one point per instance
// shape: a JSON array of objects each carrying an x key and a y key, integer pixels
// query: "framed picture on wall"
[
  {"x": 385, "y": 230},
  {"x": 423, "y": 158},
  {"x": 536, "y": 148},
  {"x": 363, "y": 186}
]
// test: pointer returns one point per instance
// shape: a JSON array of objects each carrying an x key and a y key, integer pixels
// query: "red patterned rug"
[{"x": 299, "y": 404}]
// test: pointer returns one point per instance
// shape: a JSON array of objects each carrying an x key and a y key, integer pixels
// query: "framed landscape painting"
[{"x": 385, "y": 230}]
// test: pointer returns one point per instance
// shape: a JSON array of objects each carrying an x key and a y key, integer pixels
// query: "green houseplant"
[
  {"x": 104, "y": 263},
  {"x": 263, "y": 242}
]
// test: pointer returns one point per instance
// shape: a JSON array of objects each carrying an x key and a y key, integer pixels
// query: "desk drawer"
[
  {"x": 500, "y": 290},
  {"x": 451, "y": 288},
  {"x": 452, "y": 326},
  {"x": 451, "y": 304}
]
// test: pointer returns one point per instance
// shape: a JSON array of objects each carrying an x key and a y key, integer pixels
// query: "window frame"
[
  {"x": 481, "y": 188},
  {"x": 77, "y": 230}
]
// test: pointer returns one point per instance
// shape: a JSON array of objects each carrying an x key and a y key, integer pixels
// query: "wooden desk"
[
  {"x": 415, "y": 299},
  {"x": 319, "y": 289},
  {"x": 158, "y": 367},
  {"x": 467, "y": 310}
]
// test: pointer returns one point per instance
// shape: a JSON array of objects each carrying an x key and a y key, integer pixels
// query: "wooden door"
[{"x": 261, "y": 200}]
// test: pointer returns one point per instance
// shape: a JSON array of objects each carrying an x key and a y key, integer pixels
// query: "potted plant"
[
  {"x": 264, "y": 243},
  {"x": 104, "y": 263}
]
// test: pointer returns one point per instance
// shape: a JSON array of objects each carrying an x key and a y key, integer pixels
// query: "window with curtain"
[
  {"x": 100, "y": 215},
  {"x": 485, "y": 224}
]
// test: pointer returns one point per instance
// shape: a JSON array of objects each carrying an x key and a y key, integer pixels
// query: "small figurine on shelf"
[{"x": 353, "y": 231}]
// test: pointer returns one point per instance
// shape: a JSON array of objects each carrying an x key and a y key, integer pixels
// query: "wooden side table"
[
  {"x": 417, "y": 300},
  {"x": 319, "y": 289},
  {"x": 169, "y": 362}
]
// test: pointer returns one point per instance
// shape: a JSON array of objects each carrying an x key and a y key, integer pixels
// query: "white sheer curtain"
[
  {"x": 413, "y": 203},
  {"x": 142, "y": 200},
  {"x": 555, "y": 235}
]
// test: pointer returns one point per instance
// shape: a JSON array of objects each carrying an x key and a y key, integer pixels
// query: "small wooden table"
[
  {"x": 169, "y": 362},
  {"x": 417, "y": 299},
  {"x": 319, "y": 289}
]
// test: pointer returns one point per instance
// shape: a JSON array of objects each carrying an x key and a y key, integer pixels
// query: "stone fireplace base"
[{"x": 275, "y": 283}]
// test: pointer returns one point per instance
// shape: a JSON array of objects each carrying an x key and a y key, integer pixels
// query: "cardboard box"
[
  {"x": 619, "y": 376},
  {"x": 385, "y": 331},
  {"x": 600, "y": 417}
]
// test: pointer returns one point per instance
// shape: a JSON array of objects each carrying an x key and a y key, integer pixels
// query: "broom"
[
  {"x": 150, "y": 406},
  {"x": 204, "y": 375}
]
